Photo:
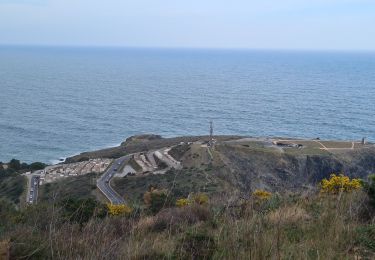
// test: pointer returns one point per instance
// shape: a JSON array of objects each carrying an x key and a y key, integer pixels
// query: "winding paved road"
[{"x": 104, "y": 182}]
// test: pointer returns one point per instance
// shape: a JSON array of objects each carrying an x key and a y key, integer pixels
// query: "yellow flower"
[
  {"x": 262, "y": 194},
  {"x": 339, "y": 183},
  {"x": 199, "y": 198},
  {"x": 182, "y": 203},
  {"x": 121, "y": 209}
]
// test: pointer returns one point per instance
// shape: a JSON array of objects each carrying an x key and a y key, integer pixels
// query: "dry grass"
[
  {"x": 288, "y": 214},
  {"x": 290, "y": 227},
  {"x": 4, "y": 249}
]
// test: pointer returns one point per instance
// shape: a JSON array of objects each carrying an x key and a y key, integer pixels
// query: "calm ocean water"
[{"x": 55, "y": 102}]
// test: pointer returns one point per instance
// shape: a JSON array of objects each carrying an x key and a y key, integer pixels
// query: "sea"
[{"x": 59, "y": 101}]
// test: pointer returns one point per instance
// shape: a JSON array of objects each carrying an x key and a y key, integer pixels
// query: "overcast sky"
[{"x": 268, "y": 24}]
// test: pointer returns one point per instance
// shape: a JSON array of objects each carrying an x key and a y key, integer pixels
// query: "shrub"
[
  {"x": 339, "y": 183},
  {"x": 200, "y": 198},
  {"x": 37, "y": 166},
  {"x": 12, "y": 187},
  {"x": 156, "y": 199},
  {"x": 7, "y": 213},
  {"x": 115, "y": 210},
  {"x": 294, "y": 233},
  {"x": 182, "y": 202},
  {"x": 81, "y": 210},
  {"x": 14, "y": 164},
  {"x": 274, "y": 202},
  {"x": 370, "y": 189},
  {"x": 366, "y": 236},
  {"x": 262, "y": 194}
]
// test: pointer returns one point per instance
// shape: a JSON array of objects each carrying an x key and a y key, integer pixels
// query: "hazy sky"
[{"x": 276, "y": 24}]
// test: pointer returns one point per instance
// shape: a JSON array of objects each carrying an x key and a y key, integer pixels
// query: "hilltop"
[
  {"x": 141, "y": 143},
  {"x": 237, "y": 164}
]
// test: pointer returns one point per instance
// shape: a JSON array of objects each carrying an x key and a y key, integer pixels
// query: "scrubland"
[{"x": 325, "y": 223}]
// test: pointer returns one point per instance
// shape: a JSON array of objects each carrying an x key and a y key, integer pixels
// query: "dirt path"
[
  {"x": 318, "y": 142},
  {"x": 333, "y": 148}
]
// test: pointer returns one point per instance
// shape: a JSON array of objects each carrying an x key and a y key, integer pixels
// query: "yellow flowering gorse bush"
[
  {"x": 182, "y": 202},
  {"x": 199, "y": 198},
  {"x": 262, "y": 194},
  {"x": 339, "y": 183},
  {"x": 115, "y": 210}
]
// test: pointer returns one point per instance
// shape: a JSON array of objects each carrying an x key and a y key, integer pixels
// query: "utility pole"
[
  {"x": 210, "y": 145},
  {"x": 211, "y": 134}
]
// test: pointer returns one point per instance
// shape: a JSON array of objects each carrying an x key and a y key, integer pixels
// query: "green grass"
[
  {"x": 305, "y": 151},
  {"x": 309, "y": 148},
  {"x": 336, "y": 144}
]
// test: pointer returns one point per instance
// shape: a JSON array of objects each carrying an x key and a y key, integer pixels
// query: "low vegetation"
[
  {"x": 256, "y": 225},
  {"x": 12, "y": 183},
  {"x": 15, "y": 165},
  {"x": 370, "y": 188},
  {"x": 262, "y": 194},
  {"x": 12, "y": 186},
  {"x": 82, "y": 186},
  {"x": 179, "y": 183},
  {"x": 340, "y": 183},
  {"x": 199, "y": 199},
  {"x": 117, "y": 210}
]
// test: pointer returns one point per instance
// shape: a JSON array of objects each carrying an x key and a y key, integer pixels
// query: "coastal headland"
[{"x": 215, "y": 164}]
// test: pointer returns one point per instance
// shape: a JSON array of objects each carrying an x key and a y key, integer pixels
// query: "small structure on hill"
[{"x": 211, "y": 142}]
